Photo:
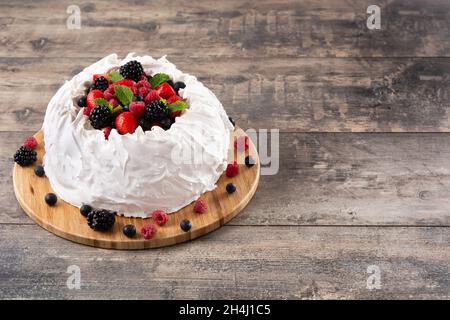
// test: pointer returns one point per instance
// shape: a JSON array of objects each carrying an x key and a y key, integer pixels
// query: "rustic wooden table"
[{"x": 364, "y": 116}]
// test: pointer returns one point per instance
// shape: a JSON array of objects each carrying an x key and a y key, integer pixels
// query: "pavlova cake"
[{"x": 134, "y": 136}]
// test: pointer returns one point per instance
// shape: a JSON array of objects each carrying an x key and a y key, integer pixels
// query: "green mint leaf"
[
  {"x": 158, "y": 79},
  {"x": 178, "y": 105},
  {"x": 124, "y": 94},
  {"x": 163, "y": 100},
  {"x": 103, "y": 102},
  {"x": 115, "y": 76}
]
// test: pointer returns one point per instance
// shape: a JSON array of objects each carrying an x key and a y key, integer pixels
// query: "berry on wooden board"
[
  {"x": 51, "y": 199},
  {"x": 129, "y": 230},
  {"x": 148, "y": 231},
  {"x": 25, "y": 156},
  {"x": 185, "y": 225},
  {"x": 39, "y": 171}
]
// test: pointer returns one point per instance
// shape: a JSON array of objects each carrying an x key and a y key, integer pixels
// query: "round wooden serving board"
[{"x": 66, "y": 221}]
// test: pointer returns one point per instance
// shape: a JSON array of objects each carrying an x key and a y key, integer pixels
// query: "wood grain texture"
[
  {"x": 328, "y": 179},
  {"x": 234, "y": 263},
  {"x": 292, "y": 95},
  {"x": 66, "y": 221},
  {"x": 266, "y": 28}
]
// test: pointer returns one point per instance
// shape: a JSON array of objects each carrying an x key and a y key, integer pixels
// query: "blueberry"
[
  {"x": 179, "y": 85},
  {"x": 50, "y": 199},
  {"x": 138, "y": 98},
  {"x": 249, "y": 161},
  {"x": 232, "y": 121},
  {"x": 85, "y": 209},
  {"x": 39, "y": 171},
  {"x": 185, "y": 225},
  {"x": 231, "y": 188},
  {"x": 126, "y": 108},
  {"x": 129, "y": 230},
  {"x": 81, "y": 101}
]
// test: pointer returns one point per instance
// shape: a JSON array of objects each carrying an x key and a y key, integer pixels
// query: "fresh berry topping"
[
  {"x": 81, "y": 101},
  {"x": 137, "y": 108},
  {"x": 231, "y": 188},
  {"x": 109, "y": 93},
  {"x": 99, "y": 75},
  {"x": 106, "y": 132},
  {"x": 39, "y": 171},
  {"x": 126, "y": 123},
  {"x": 241, "y": 143},
  {"x": 165, "y": 90},
  {"x": 101, "y": 220},
  {"x": 145, "y": 124},
  {"x": 166, "y": 123},
  {"x": 51, "y": 199},
  {"x": 173, "y": 99},
  {"x": 30, "y": 142},
  {"x": 143, "y": 83},
  {"x": 148, "y": 231},
  {"x": 129, "y": 230},
  {"x": 113, "y": 102},
  {"x": 232, "y": 121},
  {"x": 90, "y": 99},
  {"x": 143, "y": 91},
  {"x": 100, "y": 117},
  {"x": 125, "y": 82},
  {"x": 101, "y": 83},
  {"x": 156, "y": 111},
  {"x": 160, "y": 217},
  {"x": 138, "y": 98},
  {"x": 179, "y": 85},
  {"x": 249, "y": 161},
  {"x": 132, "y": 70},
  {"x": 200, "y": 206},
  {"x": 25, "y": 156},
  {"x": 232, "y": 169},
  {"x": 185, "y": 225},
  {"x": 85, "y": 209},
  {"x": 152, "y": 96}
]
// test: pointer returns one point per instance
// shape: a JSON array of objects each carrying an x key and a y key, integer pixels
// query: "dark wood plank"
[
  {"x": 328, "y": 179},
  {"x": 265, "y": 28},
  {"x": 234, "y": 263},
  {"x": 293, "y": 95}
]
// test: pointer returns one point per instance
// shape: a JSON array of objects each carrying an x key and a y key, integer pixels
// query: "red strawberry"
[
  {"x": 173, "y": 99},
  {"x": 106, "y": 132},
  {"x": 90, "y": 99},
  {"x": 126, "y": 123},
  {"x": 152, "y": 96},
  {"x": 125, "y": 82},
  {"x": 137, "y": 108},
  {"x": 240, "y": 143},
  {"x": 30, "y": 142},
  {"x": 95, "y": 76},
  {"x": 200, "y": 206},
  {"x": 165, "y": 90},
  {"x": 232, "y": 169}
]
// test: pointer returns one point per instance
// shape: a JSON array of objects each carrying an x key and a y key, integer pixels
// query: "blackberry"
[
  {"x": 166, "y": 123},
  {"x": 179, "y": 85},
  {"x": 100, "y": 117},
  {"x": 156, "y": 111},
  {"x": 101, "y": 220},
  {"x": 145, "y": 124},
  {"x": 101, "y": 83},
  {"x": 39, "y": 171},
  {"x": 129, "y": 230},
  {"x": 51, "y": 199},
  {"x": 132, "y": 70},
  {"x": 25, "y": 156},
  {"x": 85, "y": 209}
]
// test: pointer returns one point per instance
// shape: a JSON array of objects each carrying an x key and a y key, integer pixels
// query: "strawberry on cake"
[{"x": 134, "y": 136}]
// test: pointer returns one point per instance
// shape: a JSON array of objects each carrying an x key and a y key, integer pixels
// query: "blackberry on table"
[
  {"x": 101, "y": 83},
  {"x": 132, "y": 70},
  {"x": 100, "y": 117},
  {"x": 25, "y": 156},
  {"x": 101, "y": 220},
  {"x": 156, "y": 111}
]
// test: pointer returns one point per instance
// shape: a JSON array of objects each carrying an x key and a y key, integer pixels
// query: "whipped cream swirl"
[{"x": 135, "y": 174}]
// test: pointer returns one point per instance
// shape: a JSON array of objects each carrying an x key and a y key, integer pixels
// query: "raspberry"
[
  {"x": 137, "y": 108},
  {"x": 232, "y": 169},
  {"x": 152, "y": 96},
  {"x": 148, "y": 231},
  {"x": 160, "y": 217},
  {"x": 30, "y": 142},
  {"x": 240, "y": 143},
  {"x": 200, "y": 206}
]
